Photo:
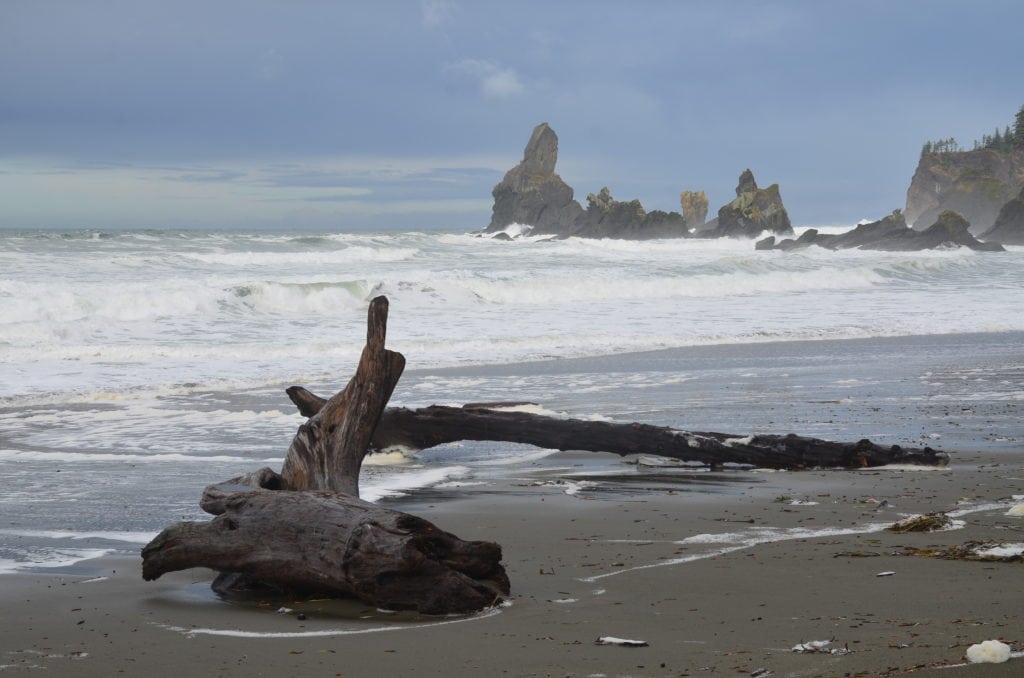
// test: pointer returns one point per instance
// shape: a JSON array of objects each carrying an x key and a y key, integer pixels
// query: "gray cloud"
[{"x": 647, "y": 98}]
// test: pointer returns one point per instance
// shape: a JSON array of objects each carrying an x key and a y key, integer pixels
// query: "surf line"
[
  {"x": 770, "y": 536},
  {"x": 238, "y": 633}
]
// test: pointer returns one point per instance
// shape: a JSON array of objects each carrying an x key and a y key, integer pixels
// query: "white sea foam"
[
  {"x": 347, "y": 255},
  {"x": 1003, "y": 551},
  {"x": 906, "y": 467},
  {"x": 91, "y": 457},
  {"x": 326, "y": 633},
  {"x": 730, "y": 542},
  {"x": 51, "y": 558},
  {"x": 129, "y": 537},
  {"x": 136, "y": 330},
  {"x": 400, "y": 484}
]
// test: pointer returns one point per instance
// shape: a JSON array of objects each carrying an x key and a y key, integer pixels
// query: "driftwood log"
[
  {"x": 305, "y": 530},
  {"x": 323, "y": 543},
  {"x": 435, "y": 425}
]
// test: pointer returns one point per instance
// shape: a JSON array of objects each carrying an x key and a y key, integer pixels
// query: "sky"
[{"x": 344, "y": 115}]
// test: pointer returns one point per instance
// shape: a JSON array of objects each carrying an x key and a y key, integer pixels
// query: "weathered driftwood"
[
  {"x": 327, "y": 451},
  {"x": 322, "y": 542},
  {"x": 305, "y": 530},
  {"x": 431, "y": 426}
]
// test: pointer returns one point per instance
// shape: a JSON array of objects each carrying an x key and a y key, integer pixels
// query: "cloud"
[
  {"x": 494, "y": 81},
  {"x": 345, "y": 192},
  {"x": 436, "y": 13},
  {"x": 207, "y": 176}
]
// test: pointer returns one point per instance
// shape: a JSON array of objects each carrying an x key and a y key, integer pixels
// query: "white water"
[
  {"x": 137, "y": 367},
  {"x": 94, "y": 315}
]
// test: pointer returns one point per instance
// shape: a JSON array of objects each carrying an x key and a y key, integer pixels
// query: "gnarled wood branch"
[{"x": 328, "y": 450}]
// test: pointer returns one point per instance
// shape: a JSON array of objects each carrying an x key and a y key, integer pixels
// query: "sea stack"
[
  {"x": 753, "y": 211},
  {"x": 695, "y": 209},
  {"x": 532, "y": 194}
]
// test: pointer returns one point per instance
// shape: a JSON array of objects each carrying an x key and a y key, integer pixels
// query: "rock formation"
[
  {"x": 1009, "y": 226},
  {"x": 974, "y": 183},
  {"x": 890, "y": 234},
  {"x": 532, "y": 194},
  {"x": 606, "y": 217},
  {"x": 695, "y": 209},
  {"x": 754, "y": 210}
]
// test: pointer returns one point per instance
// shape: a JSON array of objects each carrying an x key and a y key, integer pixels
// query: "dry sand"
[{"x": 589, "y": 566}]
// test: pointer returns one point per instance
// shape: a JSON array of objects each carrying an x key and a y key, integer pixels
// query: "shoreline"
[
  {"x": 729, "y": 583},
  {"x": 786, "y": 557}
]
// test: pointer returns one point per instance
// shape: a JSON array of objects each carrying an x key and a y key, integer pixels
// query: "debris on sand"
[
  {"x": 988, "y": 551},
  {"x": 988, "y": 652},
  {"x": 928, "y": 522},
  {"x": 623, "y": 642},
  {"x": 820, "y": 647}
]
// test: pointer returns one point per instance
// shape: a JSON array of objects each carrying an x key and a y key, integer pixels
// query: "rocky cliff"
[
  {"x": 974, "y": 183},
  {"x": 1009, "y": 226},
  {"x": 752, "y": 211}
]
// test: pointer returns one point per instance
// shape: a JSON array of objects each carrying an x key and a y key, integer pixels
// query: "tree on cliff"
[{"x": 1018, "y": 129}]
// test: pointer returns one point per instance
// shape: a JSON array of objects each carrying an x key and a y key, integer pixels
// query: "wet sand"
[
  {"x": 589, "y": 566},
  {"x": 720, "y": 574}
]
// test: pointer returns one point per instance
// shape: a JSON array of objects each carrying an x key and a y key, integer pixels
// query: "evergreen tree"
[{"x": 1018, "y": 128}]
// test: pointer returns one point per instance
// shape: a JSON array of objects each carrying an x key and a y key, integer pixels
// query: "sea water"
[{"x": 137, "y": 367}]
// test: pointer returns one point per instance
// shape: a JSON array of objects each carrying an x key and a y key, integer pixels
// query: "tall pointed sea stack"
[
  {"x": 695, "y": 209},
  {"x": 532, "y": 194}
]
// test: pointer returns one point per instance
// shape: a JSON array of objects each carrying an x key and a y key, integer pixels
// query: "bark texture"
[
  {"x": 322, "y": 542},
  {"x": 327, "y": 451}
]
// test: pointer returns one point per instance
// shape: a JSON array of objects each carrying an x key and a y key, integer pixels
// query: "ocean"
[{"x": 137, "y": 367}]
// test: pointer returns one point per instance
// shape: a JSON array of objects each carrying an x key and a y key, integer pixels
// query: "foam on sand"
[
  {"x": 52, "y": 558},
  {"x": 324, "y": 633},
  {"x": 738, "y": 541},
  {"x": 400, "y": 484}
]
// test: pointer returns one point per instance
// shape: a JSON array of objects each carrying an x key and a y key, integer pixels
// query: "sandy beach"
[{"x": 719, "y": 574}]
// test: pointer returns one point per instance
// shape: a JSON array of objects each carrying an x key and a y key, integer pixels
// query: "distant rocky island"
[
  {"x": 891, "y": 234},
  {"x": 533, "y": 194},
  {"x": 955, "y": 197}
]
